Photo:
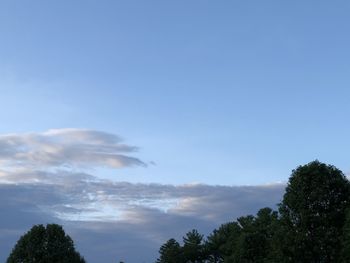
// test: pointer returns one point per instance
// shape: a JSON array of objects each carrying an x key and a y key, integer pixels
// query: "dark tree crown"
[{"x": 43, "y": 244}]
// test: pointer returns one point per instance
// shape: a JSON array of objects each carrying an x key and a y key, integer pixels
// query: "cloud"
[
  {"x": 109, "y": 220},
  {"x": 66, "y": 148},
  {"x": 40, "y": 182}
]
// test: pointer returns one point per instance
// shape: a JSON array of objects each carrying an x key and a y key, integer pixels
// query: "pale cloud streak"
[
  {"x": 109, "y": 219},
  {"x": 41, "y": 182},
  {"x": 88, "y": 198},
  {"x": 66, "y": 148}
]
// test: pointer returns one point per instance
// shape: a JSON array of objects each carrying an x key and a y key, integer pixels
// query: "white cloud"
[
  {"x": 66, "y": 148},
  {"x": 107, "y": 219}
]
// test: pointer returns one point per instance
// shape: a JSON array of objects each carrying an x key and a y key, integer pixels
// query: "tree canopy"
[
  {"x": 313, "y": 213},
  {"x": 170, "y": 252},
  {"x": 43, "y": 244},
  {"x": 312, "y": 225}
]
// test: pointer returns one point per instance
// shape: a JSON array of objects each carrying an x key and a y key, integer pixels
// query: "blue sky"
[
  {"x": 218, "y": 93},
  {"x": 224, "y": 93}
]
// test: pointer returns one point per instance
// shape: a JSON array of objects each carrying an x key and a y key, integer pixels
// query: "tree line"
[{"x": 311, "y": 225}]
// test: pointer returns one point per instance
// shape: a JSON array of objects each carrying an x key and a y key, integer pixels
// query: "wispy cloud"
[
  {"x": 93, "y": 199},
  {"x": 102, "y": 213},
  {"x": 66, "y": 148},
  {"x": 39, "y": 183}
]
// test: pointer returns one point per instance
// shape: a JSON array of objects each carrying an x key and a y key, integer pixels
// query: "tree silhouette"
[
  {"x": 313, "y": 213},
  {"x": 170, "y": 252},
  {"x": 45, "y": 245},
  {"x": 312, "y": 225},
  {"x": 193, "y": 248}
]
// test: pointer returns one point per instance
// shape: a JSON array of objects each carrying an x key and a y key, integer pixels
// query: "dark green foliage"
[
  {"x": 45, "y": 245},
  {"x": 193, "y": 248},
  {"x": 312, "y": 226},
  {"x": 313, "y": 213},
  {"x": 250, "y": 239},
  {"x": 222, "y": 242},
  {"x": 170, "y": 252},
  {"x": 257, "y": 233},
  {"x": 346, "y": 239}
]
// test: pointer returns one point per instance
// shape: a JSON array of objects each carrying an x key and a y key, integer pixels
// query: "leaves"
[
  {"x": 313, "y": 213},
  {"x": 45, "y": 245},
  {"x": 311, "y": 225},
  {"x": 170, "y": 252}
]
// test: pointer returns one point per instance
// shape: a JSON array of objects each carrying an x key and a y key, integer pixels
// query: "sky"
[{"x": 118, "y": 115}]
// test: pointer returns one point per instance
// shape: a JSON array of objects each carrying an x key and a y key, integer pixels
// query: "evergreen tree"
[
  {"x": 222, "y": 242},
  {"x": 193, "y": 248},
  {"x": 257, "y": 234},
  {"x": 170, "y": 252},
  {"x": 313, "y": 225}
]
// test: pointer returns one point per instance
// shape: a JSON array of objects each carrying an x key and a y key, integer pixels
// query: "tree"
[
  {"x": 45, "y": 245},
  {"x": 213, "y": 246},
  {"x": 313, "y": 213},
  {"x": 170, "y": 252},
  {"x": 254, "y": 240},
  {"x": 346, "y": 239},
  {"x": 222, "y": 242},
  {"x": 193, "y": 248}
]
